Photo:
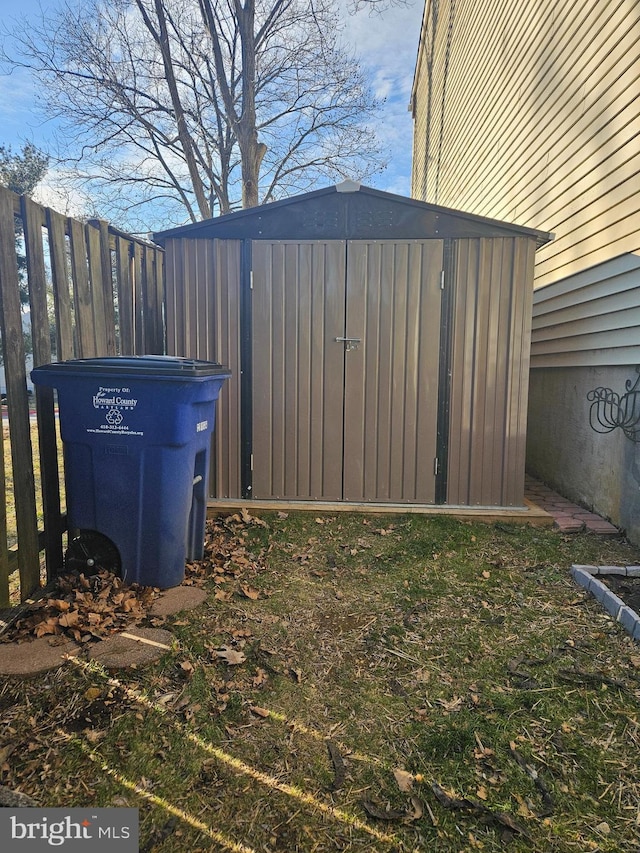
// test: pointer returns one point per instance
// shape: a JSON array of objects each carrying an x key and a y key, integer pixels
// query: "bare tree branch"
[{"x": 210, "y": 102}]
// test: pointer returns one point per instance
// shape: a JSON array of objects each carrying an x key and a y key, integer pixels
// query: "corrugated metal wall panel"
[
  {"x": 540, "y": 109},
  {"x": 489, "y": 372},
  {"x": 391, "y": 379},
  {"x": 202, "y": 292},
  {"x": 298, "y": 369}
]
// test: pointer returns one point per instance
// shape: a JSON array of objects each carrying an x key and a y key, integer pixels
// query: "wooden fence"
[{"x": 92, "y": 291}]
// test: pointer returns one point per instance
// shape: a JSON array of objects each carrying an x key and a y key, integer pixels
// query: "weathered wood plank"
[
  {"x": 60, "y": 280},
  {"x": 19, "y": 428},
  {"x": 138, "y": 300},
  {"x": 92, "y": 236},
  {"x": 85, "y": 328},
  {"x": 41, "y": 338},
  {"x": 158, "y": 269},
  {"x": 107, "y": 285},
  {"x": 5, "y": 569},
  {"x": 152, "y": 335},
  {"x": 124, "y": 290}
]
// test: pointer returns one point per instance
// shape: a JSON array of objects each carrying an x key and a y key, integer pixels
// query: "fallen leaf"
[
  {"x": 524, "y": 810},
  {"x": 94, "y": 735},
  {"x": 340, "y": 771},
  {"x": 404, "y": 780},
  {"x": 481, "y": 793},
  {"x": 260, "y": 678},
  {"x": 250, "y": 592},
  {"x": 231, "y": 656},
  {"x": 486, "y": 575},
  {"x": 5, "y": 752},
  {"x": 92, "y": 693},
  {"x": 70, "y": 619},
  {"x": 49, "y": 626},
  {"x": 260, "y": 712},
  {"x": 418, "y": 809},
  {"x": 187, "y": 667},
  {"x": 380, "y": 813},
  {"x": 223, "y": 595}
]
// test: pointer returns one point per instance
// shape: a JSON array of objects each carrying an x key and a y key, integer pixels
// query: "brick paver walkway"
[{"x": 569, "y": 517}]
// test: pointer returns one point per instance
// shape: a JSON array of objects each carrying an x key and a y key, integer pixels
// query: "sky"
[{"x": 387, "y": 44}]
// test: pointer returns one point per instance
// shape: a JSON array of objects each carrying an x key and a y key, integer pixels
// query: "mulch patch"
[{"x": 626, "y": 588}]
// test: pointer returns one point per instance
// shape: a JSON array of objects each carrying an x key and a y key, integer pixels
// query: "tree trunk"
[{"x": 251, "y": 151}]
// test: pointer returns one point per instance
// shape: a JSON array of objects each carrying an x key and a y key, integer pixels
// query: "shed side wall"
[
  {"x": 203, "y": 321},
  {"x": 492, "y": 281}
]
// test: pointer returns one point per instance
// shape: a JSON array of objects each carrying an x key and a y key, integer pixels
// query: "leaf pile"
[
  {"x": 91, "y": 607},
  {"x": 84, "y": 608}
]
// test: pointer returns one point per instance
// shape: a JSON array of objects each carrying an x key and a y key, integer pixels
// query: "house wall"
[
  {"x": 600, "y": 471},
  {"x": 529, "y": 111},
  {"x": 589, "y": 319},
  {"x": 586, "y": 334}
]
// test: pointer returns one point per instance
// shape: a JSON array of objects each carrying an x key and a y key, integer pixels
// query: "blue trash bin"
[{"x": 136, "y": 433}]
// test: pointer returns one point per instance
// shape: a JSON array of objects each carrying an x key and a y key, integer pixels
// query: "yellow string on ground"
[
  {"x": 184, "y": 816},
  {"x": 241, "y": 767},
  {"x": 305, "y": 730}
]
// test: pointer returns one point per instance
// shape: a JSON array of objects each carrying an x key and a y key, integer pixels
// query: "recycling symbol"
[{"x": 114, "y": 417}]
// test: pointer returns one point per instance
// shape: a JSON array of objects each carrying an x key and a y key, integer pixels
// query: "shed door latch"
[{"x": 349, "y": 343}]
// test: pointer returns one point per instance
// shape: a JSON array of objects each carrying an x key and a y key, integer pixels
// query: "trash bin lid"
[{"x": 138, "y": 365}]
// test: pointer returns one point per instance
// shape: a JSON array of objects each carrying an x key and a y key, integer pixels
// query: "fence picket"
[
  {"x": 60, "y": 280},
  {"x": 92, "y": 236},
  {"x": 124, "y": 290},
  {"x": 107, "y": 292},
  {"x": 18, "y": 403},
  {"x": 107, "y": 285},
  {"x": 85, "y": 329},
  {"x": 41, "y": 338},
  {"x": 4, "y": 552}
]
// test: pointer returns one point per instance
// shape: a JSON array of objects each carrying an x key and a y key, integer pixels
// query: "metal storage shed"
[{"x": 379, "y": 348}]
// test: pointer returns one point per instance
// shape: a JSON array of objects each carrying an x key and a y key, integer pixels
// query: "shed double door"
[{"x": 345, "y": 345}]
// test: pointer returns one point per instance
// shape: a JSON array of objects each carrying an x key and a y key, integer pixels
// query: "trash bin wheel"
[{"x": 90, "y": 552}]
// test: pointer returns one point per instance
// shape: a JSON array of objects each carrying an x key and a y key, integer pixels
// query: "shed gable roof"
[{"x": 349, "y": 211}]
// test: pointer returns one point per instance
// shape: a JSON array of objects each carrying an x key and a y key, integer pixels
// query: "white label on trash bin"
[
  {"x": 201, "y": 426},
  {"x": 115, "y": 402}
]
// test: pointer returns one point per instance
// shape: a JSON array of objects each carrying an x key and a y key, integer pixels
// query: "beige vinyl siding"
[
  {"x": 590, "y": 319},
  {"x": 202, "y": 298},
  {"x": 541, "y": 122}
]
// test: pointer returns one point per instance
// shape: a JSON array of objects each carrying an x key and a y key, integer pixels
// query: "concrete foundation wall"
[{"x": 600, "y": 471}]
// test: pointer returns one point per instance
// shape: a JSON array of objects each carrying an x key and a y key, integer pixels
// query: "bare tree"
[{"x": 200, "y": 105}]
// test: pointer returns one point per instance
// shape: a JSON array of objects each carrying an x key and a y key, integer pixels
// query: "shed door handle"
[{"x": 349, "y": 343}]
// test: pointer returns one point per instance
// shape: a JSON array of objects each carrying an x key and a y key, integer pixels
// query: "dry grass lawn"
[{"x": 357, "y": 684}]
